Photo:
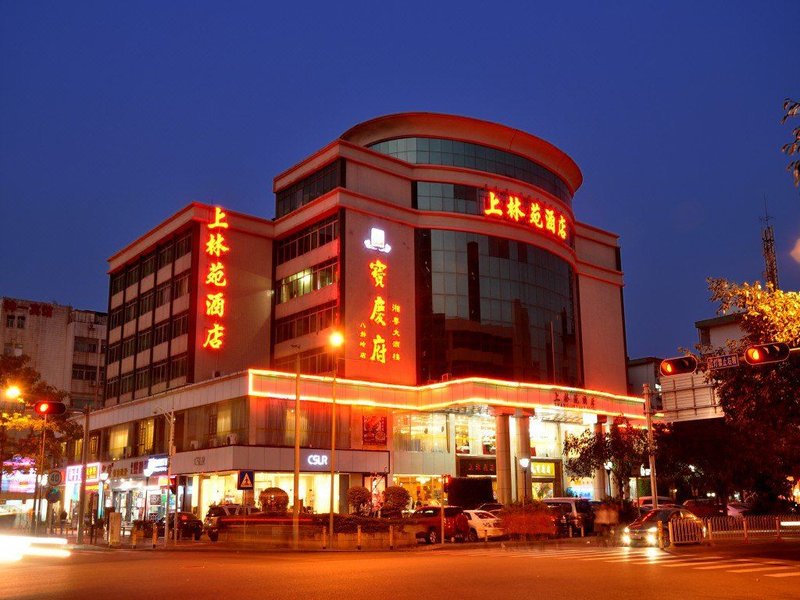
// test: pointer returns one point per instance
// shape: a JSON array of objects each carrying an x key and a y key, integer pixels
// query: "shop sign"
[
  {"x": 155, "y": 499},
  {"x": 92, "y": 473},
  {"x": 199, "y": 461},
  {"x": 216, "y": 299},
  {"x": 373, "y": 430},
  {"x": 476, "y": 466},
  {"x": 545, "y": 470},
  {"x": 19, "y": 476},
  {"x": 530, "y": 212},
  {"x": 33, "y": 308},
  {"x": 74, "y": 474},
  {"x": 317, "y": 460},
  {"x": 574, "y": 401},
  {"x": 157, "y": 464}
]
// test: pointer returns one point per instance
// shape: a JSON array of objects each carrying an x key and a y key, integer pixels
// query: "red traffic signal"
[
  {"x": 678, "y": 365},
  {"x": 766, "y": 353},
  {"x": 446, "y": 483},
  {"x": 173, "y": 485},
  {"x": 47, "y": 407}
]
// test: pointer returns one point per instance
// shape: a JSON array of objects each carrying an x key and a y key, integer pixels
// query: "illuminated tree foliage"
[
  {"x": 20, "y": 427},
  {"x": 762, "y": 404},
  {"x": 623, "y": 445},
  {"x": 791, "y": 108}
]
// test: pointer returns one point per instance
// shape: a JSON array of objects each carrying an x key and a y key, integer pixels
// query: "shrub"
[
  {"x": 359, "y": 498},
  {"x": 534, "y": 518},
  {"x": 273, "y": 500},
  {"x": 396, "y": 499}
]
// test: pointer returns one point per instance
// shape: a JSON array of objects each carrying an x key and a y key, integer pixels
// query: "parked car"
[
  {"x": 572, "y": 514},
  {"x": 188, "y": 525},
  {"x": 490, "y": 507},
  {"x": 648, "y": 500},
  {"x": 644, "y": 530},
  {"x": 706, "y": 507},
  {"x": 483, "y": 524},
  {"x": 212, "y": 523},
  {"x": 738, "y": 510},
  {"x": 429, "y": 520}
]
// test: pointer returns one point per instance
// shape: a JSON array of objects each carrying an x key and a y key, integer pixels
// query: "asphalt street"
[{"x": 462, "y": 571}]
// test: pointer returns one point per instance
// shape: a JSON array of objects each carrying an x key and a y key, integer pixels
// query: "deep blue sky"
[{"x": 115, "y": 115}]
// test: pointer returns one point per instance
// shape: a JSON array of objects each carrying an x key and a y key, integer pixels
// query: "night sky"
[{"x": 115, "y": 115}]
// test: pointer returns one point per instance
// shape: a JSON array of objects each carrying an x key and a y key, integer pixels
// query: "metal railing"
[{"x": 759, "y": 527}]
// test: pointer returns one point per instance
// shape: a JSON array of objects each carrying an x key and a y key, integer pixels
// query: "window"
[
  {"x": 160, "y": 372},
  {"x": 117, "y": 283},
  {"x": 310, "y": 188},
  {"x": 20, "y": 321},
  {"x": 114, "y": 352},
  {"x": 421, "y": 433},
  {"x": 180, "y": 286},
  {"x": 146, "y": 303},
  {"x": 316, "y": 360},
  {"x": 126, "y": 383},
  {"x": 130, "y": 311},
  {"x": 308, "y": 239},
  {"x": 115, "y": 320},
  {"x": 10, "y": 320},
  {"x": 308, "y": 280},
  {"x": 163, "y": 293},
  {"x": 165, "y": 256},
  {"x": 183, "y": 246},
  {"x": 142, "y": 378},
  {"x": 180, "y": 325},
  {"x": 178, "y": 366},
  {"x": 132, "y": 276},
  {"x": 145, "y": 340},
  {"x": 84, "y": 372},
  {"x": 85, "y": 345},
  {"x": 128, "y": 346},
  {"x": 308, "y": 321},
  {"x": 112, "y": 387},
  {"x": 161, "y": 333},
  {"x": 148, "y": 265},
  {"x": 94, "y": 442}
]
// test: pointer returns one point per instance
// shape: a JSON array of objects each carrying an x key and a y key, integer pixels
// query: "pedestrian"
[{"x": 602, "y": 522}]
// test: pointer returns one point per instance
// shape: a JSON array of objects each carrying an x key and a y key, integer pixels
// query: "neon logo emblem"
[
  {"x": 318, "y": 460},
  {"x": 377, "y": 241}
]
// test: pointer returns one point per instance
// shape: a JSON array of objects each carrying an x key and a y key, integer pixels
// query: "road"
[{"x": 461, "y": 572}]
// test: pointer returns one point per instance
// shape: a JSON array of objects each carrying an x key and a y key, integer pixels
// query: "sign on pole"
[
  {"x": 723, "y": 361},
  {"x": 245, "y": 480},
  {"x": 54, "y": 478}
]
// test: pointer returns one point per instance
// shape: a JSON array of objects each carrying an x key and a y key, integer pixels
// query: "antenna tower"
[{"x": 768, "y": 245}]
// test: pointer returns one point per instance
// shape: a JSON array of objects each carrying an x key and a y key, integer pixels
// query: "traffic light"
[
  {"x": 47, "y": 407},
  {"x": 678, "y": 365},
  {"x": 173, "y": 485},
  {"x": 761, "y": 354},
  {"x": 446, "y": 483}
]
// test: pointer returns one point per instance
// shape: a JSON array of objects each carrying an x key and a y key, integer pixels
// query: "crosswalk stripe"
[
  {"x": 792, "y": 574},
  {"x": 686, "y": 563},
  {"x": 755, "y": 569},
  {"x": 727, "y": 564}
]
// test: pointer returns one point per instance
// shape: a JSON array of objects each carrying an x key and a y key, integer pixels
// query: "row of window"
[
  {"x": 143, "y": 378},
  {"x": 153, "y": 336},
  {"x": 314, "y": 236},
  {"x": 447, "y": 197},
  {"x": 17, "y": 321},
  {"x": 310, "y": 188},
  {"x": 308, "y": 321},
  {"x": 150, "y": 300},
  {"x": 435, "y": 151},
  {"x": 156, "y": 259},
  {"x": 318, "y": 360},
  {"x": 89, "y": 345},
  {"x": 88, "y": 372},
  {"x": 308, "y": 280}
]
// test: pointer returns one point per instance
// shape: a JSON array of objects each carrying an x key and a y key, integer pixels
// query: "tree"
[
  {"x": 396, "y": 498},
  {"x": 791, "y": 108},
  {"x": 623, "y": 447},
  {"x": 273, "y": 500},
  {"x": 20, "y": 428},
  {"x": 360, "y": 498},
  {"x": 762, "y": 404}
]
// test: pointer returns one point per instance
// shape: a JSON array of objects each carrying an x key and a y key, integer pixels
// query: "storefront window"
[
  {"x": 118, "y": 441},
  {"x": 474, "y": 435},
  {"x": 544, "y": 438},
  {"x": 275, "y": 424},
  {"x": 424, "y": 490},
  {"x": 421, "y": 433}
]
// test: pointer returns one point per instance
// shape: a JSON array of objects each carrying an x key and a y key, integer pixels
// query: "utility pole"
[
  {"x": 296, "y": 495},
  {"x": 648, "y": 411},
  {"x": 82, "y": 491},
  {"x": 37, "y": 498}
]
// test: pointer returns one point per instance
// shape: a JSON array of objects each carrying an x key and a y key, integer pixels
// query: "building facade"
[{"x": 482, "y": 323}]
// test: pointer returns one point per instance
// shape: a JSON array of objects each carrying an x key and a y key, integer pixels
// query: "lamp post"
[
  {"x": 648, "y": 411},
  {"x": 608, "y": 465},
  {"x": 12, "y": 393},
  {"x": 524, "y": 463},
  {"x": 296, "y": 493},
  {"x": 335, "y": 341}
]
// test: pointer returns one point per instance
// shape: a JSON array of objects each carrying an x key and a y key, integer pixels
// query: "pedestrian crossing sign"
[{"x": 245, "y": 480}]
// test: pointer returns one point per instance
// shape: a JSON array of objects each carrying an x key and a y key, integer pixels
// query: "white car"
[{"x": 483, "y": 524}]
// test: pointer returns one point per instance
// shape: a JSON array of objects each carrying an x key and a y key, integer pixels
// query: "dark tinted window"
[{"x": 310, "y": 188}]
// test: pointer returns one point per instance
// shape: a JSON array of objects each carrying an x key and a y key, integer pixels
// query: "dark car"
[
  {"x": 188, "y": 525},
  {"x": 706, "y": 507},
  {"x": 644, "y": 530},
  {"x": 572, "y": 515},
  {"x": 429, "y": 521}
]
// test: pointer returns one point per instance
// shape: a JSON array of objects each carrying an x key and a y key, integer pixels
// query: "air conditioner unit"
[
  {"x": 232, "y": 439},
  {"x": 194, "y": 445}
]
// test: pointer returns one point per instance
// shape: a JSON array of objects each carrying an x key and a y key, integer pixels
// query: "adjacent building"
[{"x": 483, "y": 322}]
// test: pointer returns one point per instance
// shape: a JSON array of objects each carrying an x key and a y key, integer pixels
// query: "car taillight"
[{"x": 184, "y": 518}]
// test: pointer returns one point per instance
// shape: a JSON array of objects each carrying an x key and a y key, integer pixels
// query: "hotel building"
[{"x": 482, "y": 323}]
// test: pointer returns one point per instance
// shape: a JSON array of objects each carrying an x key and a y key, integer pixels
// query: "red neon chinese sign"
[
  {"x": 379, "y": 335},
  {"x": 216, "y": 280},
  {"x": 526, "y": 211}
]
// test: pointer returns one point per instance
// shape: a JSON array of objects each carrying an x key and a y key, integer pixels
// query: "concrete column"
[
  {"x": 523, "y": 451},
  {"x": 503, "y": 459},
  {"x": 599, "y": 479}
]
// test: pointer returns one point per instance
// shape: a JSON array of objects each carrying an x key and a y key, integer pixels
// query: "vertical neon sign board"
[
  {"x": 379, "y": 334},
  {"x": 216, "y": 281}
]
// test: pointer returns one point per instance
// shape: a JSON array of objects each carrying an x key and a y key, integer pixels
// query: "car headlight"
[
  {"x": 626, "y": 530},
  {"x": 652, "y": 530}
]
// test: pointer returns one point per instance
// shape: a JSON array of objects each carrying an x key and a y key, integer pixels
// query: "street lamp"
[
  {"x": 335, "y": 341},
  {"x": 524, "y": 463},
  {"x": 296, "y": 493},
  {"x": 608, "y": 465}
]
